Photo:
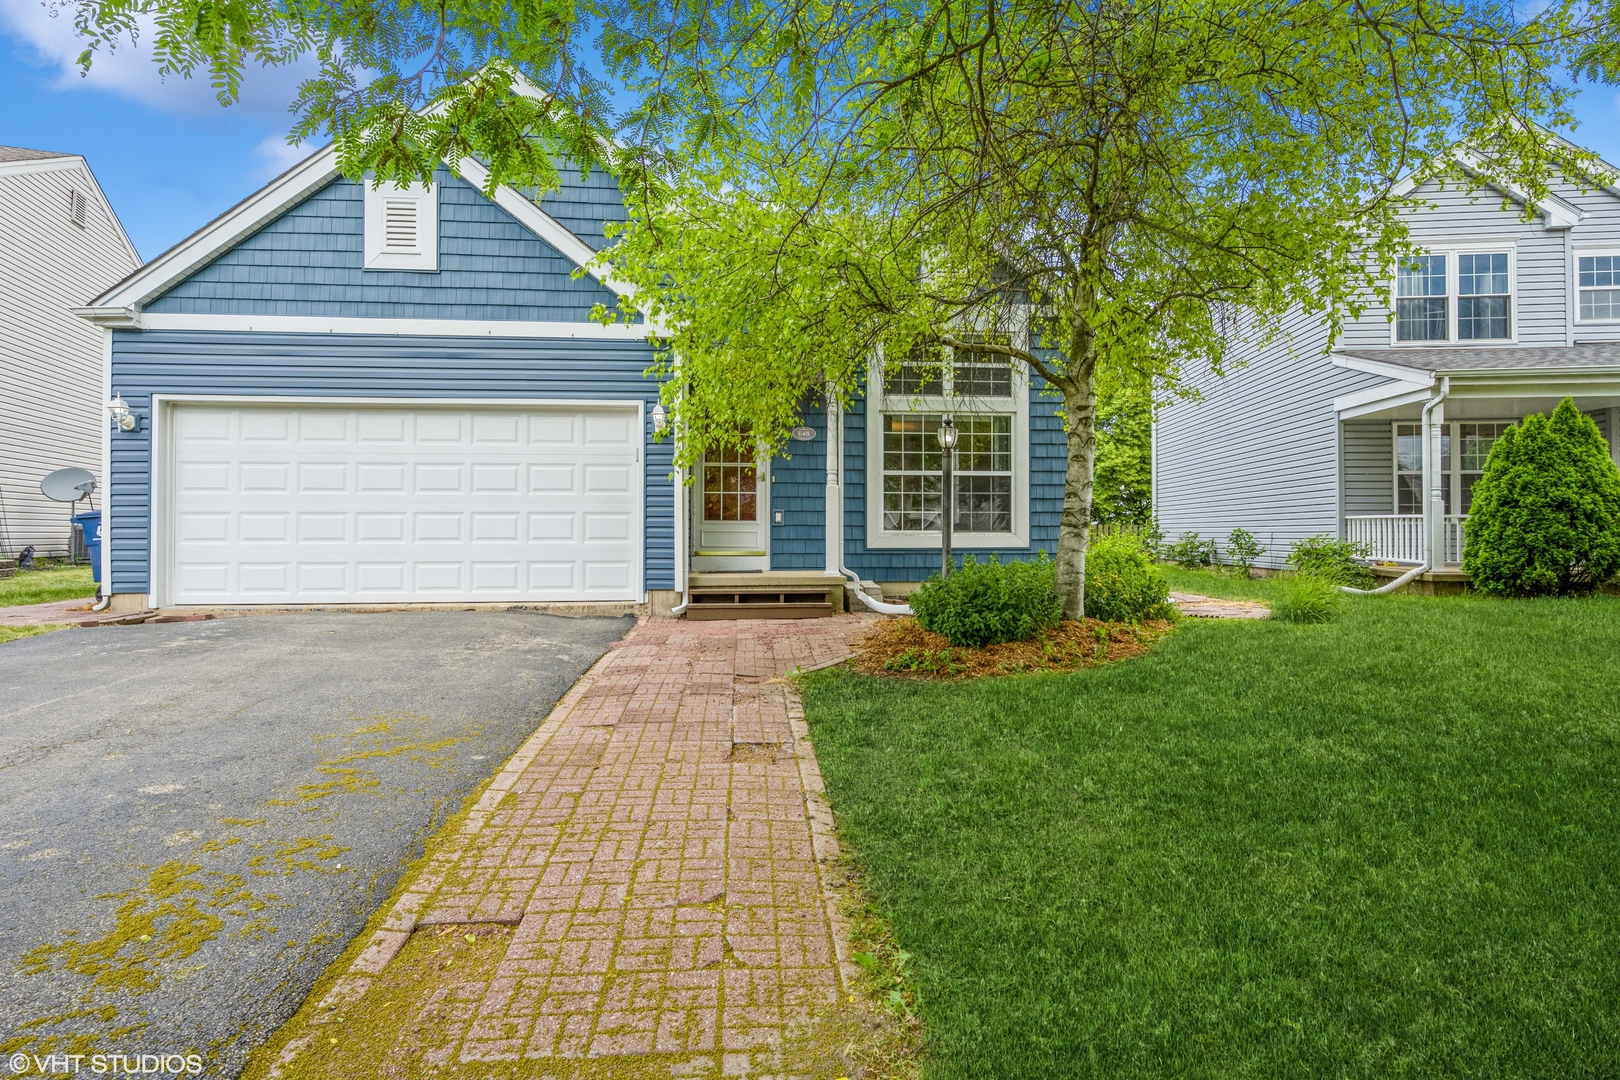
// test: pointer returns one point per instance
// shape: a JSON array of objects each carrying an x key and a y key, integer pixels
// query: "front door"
[{"x": 732, "y": 507}]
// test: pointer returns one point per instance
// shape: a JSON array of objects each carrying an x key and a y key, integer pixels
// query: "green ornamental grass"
[
  {"x": 1545, "y": 519},
  {"x": 1308, "y": 598}
]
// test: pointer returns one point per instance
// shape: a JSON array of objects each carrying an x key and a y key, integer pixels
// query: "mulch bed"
[{"x": 901, "y": 648}]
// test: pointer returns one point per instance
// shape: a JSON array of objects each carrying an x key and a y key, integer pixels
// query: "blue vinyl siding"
[
  {"x": 309, "y": 261},
  {"x": 799, "y": 492},
  {"x": 355, "y": 365},
  {"x": 1048, "y": 455},
  {"x": 582, "y": 205}
]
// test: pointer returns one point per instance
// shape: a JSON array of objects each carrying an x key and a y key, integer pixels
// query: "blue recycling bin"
[{"x": 91, "y": 524}]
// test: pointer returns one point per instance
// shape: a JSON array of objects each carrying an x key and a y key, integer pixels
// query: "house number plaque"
[{"x": 803, "y": 434}]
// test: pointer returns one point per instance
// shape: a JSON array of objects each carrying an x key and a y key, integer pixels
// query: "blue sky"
[{"x": 169, "y": 158}]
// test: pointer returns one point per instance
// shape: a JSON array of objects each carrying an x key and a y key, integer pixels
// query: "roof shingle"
[{"x": 1594, "y": 355}]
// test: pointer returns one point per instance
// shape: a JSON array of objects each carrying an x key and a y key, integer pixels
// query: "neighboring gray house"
[
  {"x": 1380, "y": 438},
  {"x": 60, "y": 244}
]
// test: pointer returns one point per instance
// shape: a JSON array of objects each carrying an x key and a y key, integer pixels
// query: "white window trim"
[
  {"x": 1577, "y": 251},
  {"x": 1451, "y": 251},
  {"x": 426, "y": 257},
  {"x": 1453, "y": 475},
  {"x": 1017, "y": 406}
]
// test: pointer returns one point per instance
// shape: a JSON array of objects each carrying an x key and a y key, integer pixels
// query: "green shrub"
[
  {"x": 989, "y": 603},
  {"x": 1332, "y": 559},
  {"x": 1191, "y": 551},
  {"x": 1242, "y": 549},
  {"x": 1308, "y": 598},
  {"x": 1545, "y": 518},
  {"x": 1122, "y": 581}
]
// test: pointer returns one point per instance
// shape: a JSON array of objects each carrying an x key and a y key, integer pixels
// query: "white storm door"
[
  {"x": 733, "y": 506},
  {"x": 308, "y": 504}
]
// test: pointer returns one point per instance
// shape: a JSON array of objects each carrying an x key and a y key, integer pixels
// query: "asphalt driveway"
[{"x": 195, "y": 818}]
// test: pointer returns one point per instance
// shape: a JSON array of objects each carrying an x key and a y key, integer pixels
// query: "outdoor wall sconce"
[
  {"x": 122, "y": 418},
  {"x": 660, "y": 419}
]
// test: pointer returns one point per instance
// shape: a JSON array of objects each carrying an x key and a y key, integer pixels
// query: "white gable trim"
[
  {"x": 213, "y": 239},
  {"x": 122, "y": 303},
  {"x": 1555, "y": 213},
  {"x": 1388, "y": 369},
  {"x": 71, "y": 163}
]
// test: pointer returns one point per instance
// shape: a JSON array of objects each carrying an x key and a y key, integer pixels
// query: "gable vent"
[
  {"x": 78, "y": 208},
  {"x": 400, "y": 226}
]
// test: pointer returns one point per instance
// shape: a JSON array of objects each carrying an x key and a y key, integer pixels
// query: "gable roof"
[
  {"x": 121, "y": 305},
  {"x": 18, "y": 153},
  {"x": 1555, "y": 213}
]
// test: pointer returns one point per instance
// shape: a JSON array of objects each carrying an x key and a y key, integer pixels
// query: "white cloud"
[
  {"x": 129, "y": 71},
  {"x": 278, "y": 157}
]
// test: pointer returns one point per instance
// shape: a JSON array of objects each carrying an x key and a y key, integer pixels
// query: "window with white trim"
[
  {"x": 1598, "y": 281},
  {"x": 1455, "y": 296},
  {"x": 1473, "y": 440},
  {"x": 981, "y": 392},
  {"x": 402, "y": 227}
]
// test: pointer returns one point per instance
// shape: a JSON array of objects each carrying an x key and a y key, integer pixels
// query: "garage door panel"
[{"x": 292, "y": 504}]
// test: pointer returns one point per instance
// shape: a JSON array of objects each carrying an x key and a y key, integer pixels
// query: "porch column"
[
  {"x": 835, "y": 490},
  {"x": 1434, "y": 484}
]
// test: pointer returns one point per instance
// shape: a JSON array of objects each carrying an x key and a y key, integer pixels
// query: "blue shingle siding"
[
  {"x": 582, "y": 205},
  {"x": 799, "y": 492},
  {"x": 310, "y": 261},
  {"x": 1048, "y": 455},
  {"x": 363, "y": 365}
]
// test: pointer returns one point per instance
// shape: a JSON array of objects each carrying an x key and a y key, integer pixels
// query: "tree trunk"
[{"x": 1074, "y": 527}]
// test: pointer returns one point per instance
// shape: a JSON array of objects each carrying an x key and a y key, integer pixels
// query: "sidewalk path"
[
  {"x": 57, "y": 611},
  {"x": 1208, "y": 607},
  {"x": 660, "y": 848}
]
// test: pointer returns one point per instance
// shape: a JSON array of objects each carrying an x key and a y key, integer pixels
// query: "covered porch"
[{"x": 1411, "y": 450}]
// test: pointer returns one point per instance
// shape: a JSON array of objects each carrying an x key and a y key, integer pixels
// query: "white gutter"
[{"x": 835, "y": 511}]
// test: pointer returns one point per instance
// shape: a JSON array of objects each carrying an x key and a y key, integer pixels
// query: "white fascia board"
[
  {"x": 1409, "y": 396},
  {"x": 321, "y": 324},
  {"x": 42, "y": 165},
  {"x": 114, "y": 318},
  {"x": 200, "y": 247},
  {"x": 1398, "y": 372},
  {"x": 1381, "y": 397},
  {"x": 542, "y": 224}
]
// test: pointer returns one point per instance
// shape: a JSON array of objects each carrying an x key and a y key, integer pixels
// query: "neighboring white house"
[
  {"x": 1379, "y": 436},
  {"x": 60, "y": 245}
]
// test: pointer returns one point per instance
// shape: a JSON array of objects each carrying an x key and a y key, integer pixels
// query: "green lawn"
[
  {"x": 43, "y": 586},
  {"x": 1383, "y": 847}
]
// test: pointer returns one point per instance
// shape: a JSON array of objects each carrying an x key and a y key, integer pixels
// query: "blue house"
[{"x": 337, "y": 394}]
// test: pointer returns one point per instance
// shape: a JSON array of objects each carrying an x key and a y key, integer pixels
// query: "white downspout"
[
  {"x": 835, "y": 511},
  {"x": 1434, "y": 505},
  {"x": 105, "y": 600},
  {"x": 683, "y": 577}
]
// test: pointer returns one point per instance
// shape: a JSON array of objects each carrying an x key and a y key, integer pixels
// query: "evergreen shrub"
[
  {"x": 1191, "y": 551},
  {"x": 1545, "y": 517}
]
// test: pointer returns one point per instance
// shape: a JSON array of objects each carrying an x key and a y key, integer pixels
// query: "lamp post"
[{"x": 947, "y": 444}]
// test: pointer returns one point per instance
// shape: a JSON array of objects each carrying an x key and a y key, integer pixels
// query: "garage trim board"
[{"x": 348, "y": 500}]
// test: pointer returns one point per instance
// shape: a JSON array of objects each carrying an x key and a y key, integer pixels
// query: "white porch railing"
[{"x": 1399, "y": 537}]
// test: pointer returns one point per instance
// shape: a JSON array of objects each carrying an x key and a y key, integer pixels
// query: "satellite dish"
[{"x": 68, "y": 485}]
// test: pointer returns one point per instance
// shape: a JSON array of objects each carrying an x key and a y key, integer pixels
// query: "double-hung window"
[
  {"x": 1421, "y": 311},
  {"x": 1455, "y": 296},
  {"x": 986, "y": 397},
  {"x": 1473, "y": 441},
  {"x": 1598, "y": 281}
]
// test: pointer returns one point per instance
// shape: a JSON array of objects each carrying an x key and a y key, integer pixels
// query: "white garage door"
[{"x": 314, "y": 504}]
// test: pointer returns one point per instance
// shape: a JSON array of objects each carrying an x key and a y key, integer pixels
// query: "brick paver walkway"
[{"x": 660, "y": 844}]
